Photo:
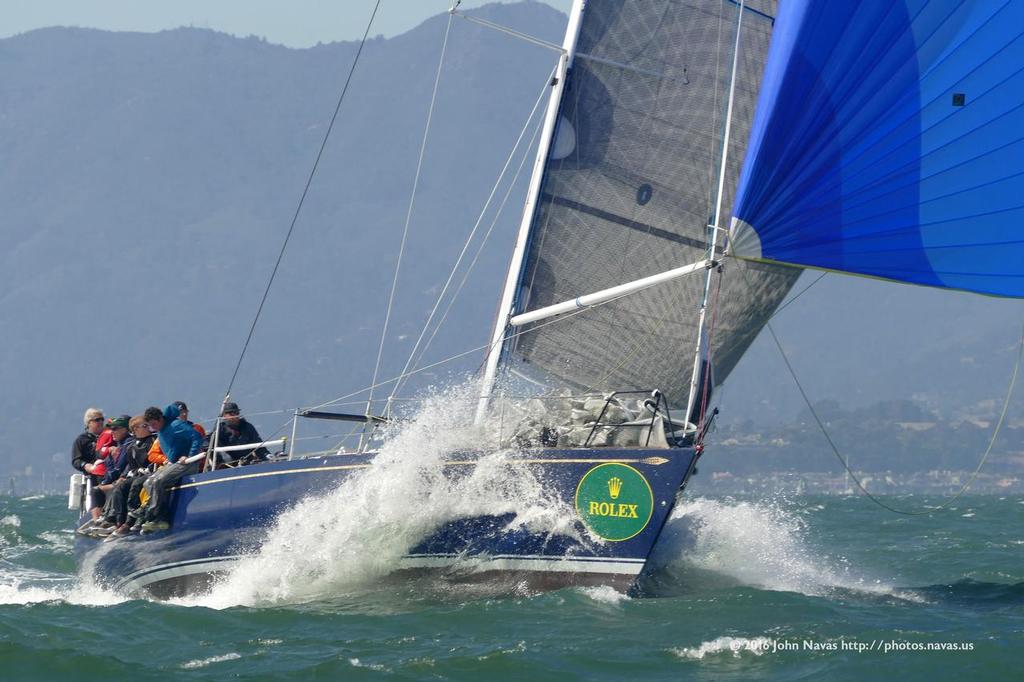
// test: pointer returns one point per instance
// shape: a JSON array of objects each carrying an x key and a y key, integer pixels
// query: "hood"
[{"x": 171, "y": 413}]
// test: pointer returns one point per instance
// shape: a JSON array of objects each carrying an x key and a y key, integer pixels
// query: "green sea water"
[{"x": 796, "y": 588}]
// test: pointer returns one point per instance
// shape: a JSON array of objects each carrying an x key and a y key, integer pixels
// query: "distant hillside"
[{"x": 148, "y": 180}]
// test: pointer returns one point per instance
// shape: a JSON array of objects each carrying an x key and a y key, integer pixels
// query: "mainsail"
[
  {"x": 889, "y": 142},
  {"x": 628, "y": 191}
]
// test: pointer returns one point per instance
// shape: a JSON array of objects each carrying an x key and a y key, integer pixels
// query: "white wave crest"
[
  {"x": 356, "y": 663},
  {"x": 604, "y": 594},
  {"x": 203, "y": 662},
  {"x": 59, "y": 541},
  {"x": 733, "y": 646}
]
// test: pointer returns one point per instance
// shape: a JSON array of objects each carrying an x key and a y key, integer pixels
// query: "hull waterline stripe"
[
  {"x": 528, "y": 564},
  {"x": 174, "y": 565},
  {"x": 655, "y": 461},
  {"x": 518, "y": 557},
  {"x": 537, "y": 564}
]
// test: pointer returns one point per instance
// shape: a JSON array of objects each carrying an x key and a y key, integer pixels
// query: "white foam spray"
[
  {"x": 27, "y": 589},
  {"x": 21, "y": 584},
  {"x": 761, "y": 544},
  {"x": 357, "y": 533}
]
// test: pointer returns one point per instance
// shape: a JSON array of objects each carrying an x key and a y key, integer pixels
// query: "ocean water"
[{"x": 792, "y": 588}]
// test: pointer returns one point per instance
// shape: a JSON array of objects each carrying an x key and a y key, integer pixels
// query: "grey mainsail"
[{"x": 628, "y": 191}]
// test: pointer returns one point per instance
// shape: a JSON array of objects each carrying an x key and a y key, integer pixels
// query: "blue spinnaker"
[{"x": 889, "y": 142}]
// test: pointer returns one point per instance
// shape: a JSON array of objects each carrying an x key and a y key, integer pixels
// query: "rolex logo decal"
[
  {"x": 614, "y": 487},
  {"x": 614, "y": 501}
]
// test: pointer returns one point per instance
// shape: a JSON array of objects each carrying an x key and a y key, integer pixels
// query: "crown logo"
[{"x": 614, "y": 487}]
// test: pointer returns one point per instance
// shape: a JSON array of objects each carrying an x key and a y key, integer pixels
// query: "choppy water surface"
[{"x": 786, "y": 588}]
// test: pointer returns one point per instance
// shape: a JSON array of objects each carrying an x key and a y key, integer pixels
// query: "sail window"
[{"x": 565, "y": 140}]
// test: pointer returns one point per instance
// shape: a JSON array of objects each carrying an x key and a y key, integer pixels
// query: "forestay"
[
  {"x": 628, "y": 192},
  {"x": 889, "y": 142}
]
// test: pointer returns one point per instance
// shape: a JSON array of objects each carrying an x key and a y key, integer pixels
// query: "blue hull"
[{"x": 220, "y": 517}]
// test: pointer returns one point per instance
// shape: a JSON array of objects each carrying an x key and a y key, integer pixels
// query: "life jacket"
[
  {"x": 156, "y": 454},
  {"x": 105, "y": 440}
]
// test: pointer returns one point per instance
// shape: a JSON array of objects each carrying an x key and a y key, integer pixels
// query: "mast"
[
  {"x": 695, "y": 379},
  {"x": 505, "y": 306}
]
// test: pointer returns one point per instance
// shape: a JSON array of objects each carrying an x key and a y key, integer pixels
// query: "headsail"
[
  {"x": 628, "y": 190},
  {"x": 889, "y": 142}
]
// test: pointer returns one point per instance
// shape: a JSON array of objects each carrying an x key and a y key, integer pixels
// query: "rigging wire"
[
  {"x": 408, "y": 214},
  {"x": 845, "y": 462},
  {"x": 803, "y": 291},
  {"x": 302, "y": 199},
  {"x": 339, "y": 401},
  {"x": 663, "y": 321},
  {"x": 480, "y": 248},
  {"x": 472, "y": 233},
  {"x": 714, "y": 104},
  {"x": 540, "y": 325},
  {"x": 723, "y": 389}
]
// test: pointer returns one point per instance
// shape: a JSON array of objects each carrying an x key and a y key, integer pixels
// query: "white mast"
[
  {"x": 698, "y": 354},
  {"x": 572, "y": 32}
]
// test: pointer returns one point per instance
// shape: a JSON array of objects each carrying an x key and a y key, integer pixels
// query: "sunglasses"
[{"x": 97, "y": 419}]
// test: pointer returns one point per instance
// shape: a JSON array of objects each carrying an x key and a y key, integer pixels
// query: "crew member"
[{"x": 236, "y": 430}]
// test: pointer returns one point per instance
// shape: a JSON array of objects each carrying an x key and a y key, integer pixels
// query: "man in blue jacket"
[
  {"x": 179, "y": 441},
  {"x": 117, "y": 462}
]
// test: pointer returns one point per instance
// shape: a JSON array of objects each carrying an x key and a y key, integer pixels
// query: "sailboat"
[{"x": 878, "y": 139}]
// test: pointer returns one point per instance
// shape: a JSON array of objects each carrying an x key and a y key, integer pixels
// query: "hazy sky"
[{"x": 297, "y": 23}]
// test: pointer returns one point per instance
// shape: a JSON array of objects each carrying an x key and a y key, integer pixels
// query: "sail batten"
[{"x": 889, "y": 142}]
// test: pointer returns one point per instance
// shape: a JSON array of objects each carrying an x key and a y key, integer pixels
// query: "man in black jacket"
[
  {"x": 83, "y": 454},
  {"x": 235, "y": 430},
  {"x": 83, "y": 450}
]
